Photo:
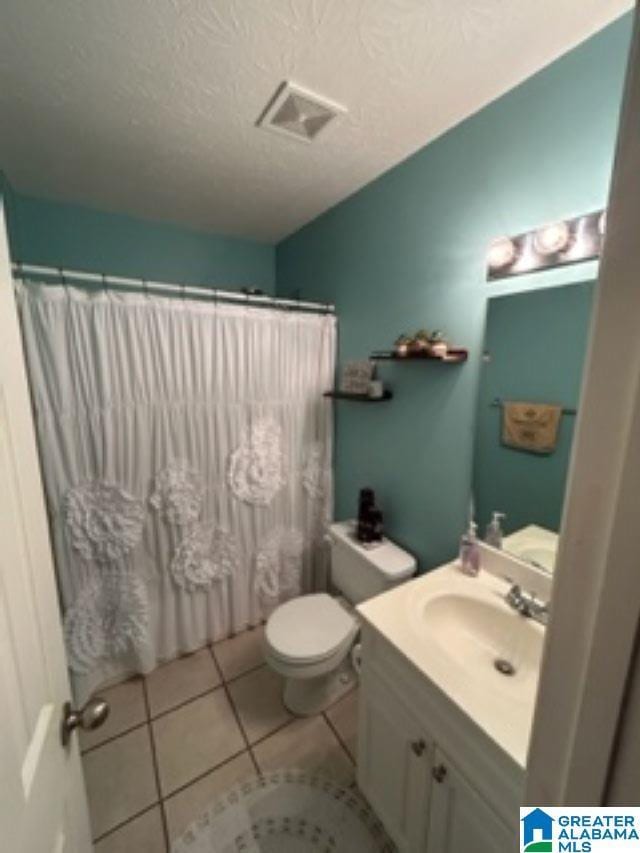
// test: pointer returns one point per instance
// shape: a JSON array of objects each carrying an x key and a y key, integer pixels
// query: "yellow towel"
[{"x": 531, "y": 426}]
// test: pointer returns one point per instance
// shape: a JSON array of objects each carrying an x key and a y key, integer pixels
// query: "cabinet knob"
[
  {"x": 418, "y": 746},
  {"x": 439, "y": 773}
]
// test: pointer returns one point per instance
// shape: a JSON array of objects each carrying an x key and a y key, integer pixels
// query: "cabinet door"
[
  {"x": 460, "y": 820},
  {"x": 394, "y": 767}
]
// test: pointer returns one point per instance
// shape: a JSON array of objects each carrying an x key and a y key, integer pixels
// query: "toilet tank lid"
[{"x": 387, "y": 557}]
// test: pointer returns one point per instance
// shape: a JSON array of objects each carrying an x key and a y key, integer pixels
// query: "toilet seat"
[{"x": 309, "y": 629}]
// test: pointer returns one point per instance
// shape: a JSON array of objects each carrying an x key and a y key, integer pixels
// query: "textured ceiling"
[{"x": 149, "y": 106}]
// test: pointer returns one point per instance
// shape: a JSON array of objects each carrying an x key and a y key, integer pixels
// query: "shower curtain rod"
[{"x": 171, "y": 287}]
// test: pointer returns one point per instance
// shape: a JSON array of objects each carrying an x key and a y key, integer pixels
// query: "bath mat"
[{"x": 288, "y": 811}]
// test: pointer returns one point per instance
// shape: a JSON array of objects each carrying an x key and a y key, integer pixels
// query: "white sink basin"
[
  {"x": 484, "y": 638},
  {"x": 454, "y": 629},
  {"x": 535, "y": 545},
  {"x": 544, "y": 558}
]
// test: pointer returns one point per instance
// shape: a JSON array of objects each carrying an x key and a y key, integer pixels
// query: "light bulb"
[
  {"x": 602, "y": 223},
  {"x": 551, "y": 239},
  {"x": 502, "y": 252}
]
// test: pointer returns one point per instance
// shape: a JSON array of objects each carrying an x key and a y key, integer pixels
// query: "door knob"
[
  {"x": 88, "y": 718},
  {"x": 439, "y": 773},
  {"x": 418, "y": 746}
]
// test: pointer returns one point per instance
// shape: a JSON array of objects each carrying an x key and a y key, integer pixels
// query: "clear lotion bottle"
[{"x": 469, "y": 551}]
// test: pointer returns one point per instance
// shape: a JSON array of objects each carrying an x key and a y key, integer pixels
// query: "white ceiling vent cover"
[{"x": 296, "y": 112}]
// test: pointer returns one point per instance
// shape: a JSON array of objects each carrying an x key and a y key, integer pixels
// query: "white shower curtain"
[{"x": 187, "y": 451}]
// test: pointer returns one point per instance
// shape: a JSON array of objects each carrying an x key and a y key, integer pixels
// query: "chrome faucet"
[{"x": 527, "y": 605}]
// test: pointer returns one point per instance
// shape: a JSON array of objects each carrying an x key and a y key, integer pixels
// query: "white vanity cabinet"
[
  {"x": 394, "y": 757},
  {"x": 436, "y": 783},
  {"x": 459, "y": 818}
]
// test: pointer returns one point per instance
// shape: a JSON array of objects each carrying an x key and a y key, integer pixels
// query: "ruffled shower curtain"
[{"x": 186, "y": 450}]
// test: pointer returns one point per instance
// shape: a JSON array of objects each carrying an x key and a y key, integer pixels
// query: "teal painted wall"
[
  {"x": 53, "y": 233},
  {"x": 536, "y": 344},
  {"x": 408, "y": 251}
]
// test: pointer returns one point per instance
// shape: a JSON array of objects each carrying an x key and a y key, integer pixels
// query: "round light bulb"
[
  {"x": 502, "y": 252},
  {"x": 602, "y": 223},
  {"x": 552, "y": 238}
]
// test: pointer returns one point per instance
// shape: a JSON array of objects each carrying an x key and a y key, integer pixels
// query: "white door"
[
  {"x": 460, "y": 820},
  {"x": 43, "y": 806}
]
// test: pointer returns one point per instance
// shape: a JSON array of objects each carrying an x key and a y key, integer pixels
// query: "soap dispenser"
[
  {"x": 469, "y": 551},
  {"x": 494, "y": 533}
]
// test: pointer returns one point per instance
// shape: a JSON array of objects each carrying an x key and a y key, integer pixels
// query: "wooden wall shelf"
[
  {"x": 457, "y": 356},
  {"x": 360, "y": 398}
]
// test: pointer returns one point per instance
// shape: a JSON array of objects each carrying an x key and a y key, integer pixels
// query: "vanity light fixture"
[
  {"x": 559, "y": 243},
  {"x": 502, "y": 252},
  {"x": 602, "y": 223},
  {"x": 552, "y": 238}
]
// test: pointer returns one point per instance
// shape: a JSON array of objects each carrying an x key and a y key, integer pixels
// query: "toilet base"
[{"x": 305, "y": 697}]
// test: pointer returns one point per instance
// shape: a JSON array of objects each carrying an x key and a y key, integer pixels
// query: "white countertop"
[{"x": 502, "y": 706}]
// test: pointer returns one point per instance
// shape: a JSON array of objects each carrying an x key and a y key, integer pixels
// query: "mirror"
[{"x": 534, "y": 350}]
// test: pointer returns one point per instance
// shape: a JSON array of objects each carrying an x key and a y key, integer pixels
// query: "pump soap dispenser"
[
  {"x": 494, "y": 533},
  {"x": 469, "y": 551}
]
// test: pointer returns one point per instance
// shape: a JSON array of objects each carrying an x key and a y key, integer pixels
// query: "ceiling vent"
[{"x": 298, "y": 113}]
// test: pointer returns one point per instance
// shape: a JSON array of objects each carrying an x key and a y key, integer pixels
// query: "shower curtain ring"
[
  {"x": 145, "y": 287},
  {"x": 104, "y": 283},
  {"x": 63, "y": 279}
]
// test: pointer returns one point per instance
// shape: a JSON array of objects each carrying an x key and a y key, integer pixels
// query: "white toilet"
[{"x": 309, "y": 639}]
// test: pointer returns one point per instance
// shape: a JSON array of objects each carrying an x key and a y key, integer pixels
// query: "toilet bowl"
[{"x": 309, "y": 639}]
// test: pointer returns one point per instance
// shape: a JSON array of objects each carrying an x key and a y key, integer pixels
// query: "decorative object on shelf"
[
  {"x": 376, "y": 389},
  {"x": 402, "y": 345},
  {"x": 567, "y": 241},
  {"x": 420, "y": 343},
  {"x": 454, "y": 355},
  {"x": 356, "y": 376},
  {"x": 438, "y": 347},
  {"x": 361, "y": 398},
  {"x": 423, "y": 345}
]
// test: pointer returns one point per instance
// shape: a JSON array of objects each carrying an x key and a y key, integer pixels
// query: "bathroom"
[{"x": 227, "y": 226}]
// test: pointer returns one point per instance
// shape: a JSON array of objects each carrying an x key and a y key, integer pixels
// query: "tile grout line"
[
  {"x": 275, "y": 731},
  {"x": 248, "y": 749},
  {"x": 240, "y": 675},
  {"x": 188, "y": 701},
  {"x": 225, "y": 682},
  {"x": 154, "y": 805},
  {"x": 108, "y": 740},
  {"x": 179, "y": 706},
  {"x": 203, "y": 775},
  {"x": 156, "y": 769},
  {"x": 234, "y": 710},
  {"x": 337, "y": 737}
]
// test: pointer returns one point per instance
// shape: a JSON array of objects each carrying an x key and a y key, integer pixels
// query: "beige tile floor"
[{"x": 193, "y": 728}]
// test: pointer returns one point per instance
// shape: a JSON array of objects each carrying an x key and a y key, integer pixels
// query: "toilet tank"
[{"x": 360, "y": 572}]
